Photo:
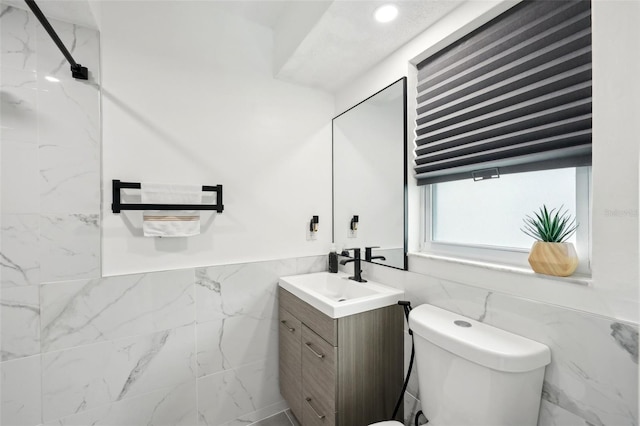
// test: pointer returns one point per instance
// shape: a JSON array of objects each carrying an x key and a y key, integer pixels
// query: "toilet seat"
[{"x": 387, "y": 423}]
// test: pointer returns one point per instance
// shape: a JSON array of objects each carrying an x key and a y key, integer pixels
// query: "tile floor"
[{"x": 284, "y": 418}]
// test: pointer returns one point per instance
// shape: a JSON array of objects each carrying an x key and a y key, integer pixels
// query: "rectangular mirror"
[{"x": 370, "y": 177}]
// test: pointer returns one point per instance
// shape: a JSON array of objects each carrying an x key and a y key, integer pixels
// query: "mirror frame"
[{"x": 404, "y": 168}]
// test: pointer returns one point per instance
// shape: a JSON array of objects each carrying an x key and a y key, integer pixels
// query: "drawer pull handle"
[
  {"x": 320, "y": 416},
  {"x": 291, "y": 329},
  {"x": 308, "y": 345}
]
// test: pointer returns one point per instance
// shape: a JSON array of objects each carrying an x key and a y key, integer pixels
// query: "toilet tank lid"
[{"x": 477, "y": 342}]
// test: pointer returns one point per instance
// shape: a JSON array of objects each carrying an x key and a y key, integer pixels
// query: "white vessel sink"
[{"x": 337, "y": 296}]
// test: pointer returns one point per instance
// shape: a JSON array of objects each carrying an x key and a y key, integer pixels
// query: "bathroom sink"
[{"x": 337, "y": 296}]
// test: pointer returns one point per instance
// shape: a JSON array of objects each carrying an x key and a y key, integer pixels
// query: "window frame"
[{"x": 510, "y": 256}]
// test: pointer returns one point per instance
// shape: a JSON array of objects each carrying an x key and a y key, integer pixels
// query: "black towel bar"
[{"x": 117, "y": 205}]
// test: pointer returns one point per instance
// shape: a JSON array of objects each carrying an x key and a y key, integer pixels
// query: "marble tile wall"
[
  {"x": 237, "y": 335},
  {"x": 49, "y": 191},
  {"x": 593, "y": 375},
  {"x": 50, "y": 153},
  {"x": 186, "y": 347}
]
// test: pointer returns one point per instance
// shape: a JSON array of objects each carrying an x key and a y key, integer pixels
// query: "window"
[
  {"x": 511, "y": 99},
  {"x": 482, "y": 220}
]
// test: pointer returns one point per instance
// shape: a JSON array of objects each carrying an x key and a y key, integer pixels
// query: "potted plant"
[{"x": 551, "y": 254}]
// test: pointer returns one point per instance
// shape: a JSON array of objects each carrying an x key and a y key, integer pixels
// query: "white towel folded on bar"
[{"x": 170, "y": 223}]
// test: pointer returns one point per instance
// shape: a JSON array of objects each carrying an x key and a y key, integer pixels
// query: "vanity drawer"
[
  {"x": 318, "y": 375},
  {"x": 323, "y": 325},
  {"x": 311, "y": 416},
  {"x": 290, "y": 338}
]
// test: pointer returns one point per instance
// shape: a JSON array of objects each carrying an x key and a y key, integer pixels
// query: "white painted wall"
[
  {"x": 191, "y": 99},
  {"x": 616, "y": 108},
  {"x": 616, "y": 38}
]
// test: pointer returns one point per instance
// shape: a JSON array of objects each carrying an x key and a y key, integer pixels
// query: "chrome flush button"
[{"x": 461, "y": 323}]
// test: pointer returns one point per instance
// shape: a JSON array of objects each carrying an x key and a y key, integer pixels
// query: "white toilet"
[{"x": 470, "y": 373}]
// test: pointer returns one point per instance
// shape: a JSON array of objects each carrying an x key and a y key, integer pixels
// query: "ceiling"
[
  {"x": 317, "y": 43},
  {"x": 346, "y": 40}
]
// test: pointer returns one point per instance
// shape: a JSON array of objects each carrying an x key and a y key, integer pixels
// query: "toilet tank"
[{"x": 471, "y": 373}]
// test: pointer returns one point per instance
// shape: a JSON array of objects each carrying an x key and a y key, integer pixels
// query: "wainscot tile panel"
[
  {"x": 86, "y": 311},
  {"x": 237, "y": 311},
  {"x": 172, "y": 406},
  {"x": 247, "y": 289},
  {"x": 20, "y": 322},
  {"x": 225, "y": 398},
  {"x": 411, "y": 408},
  {"x": 552, "y": 415},
  {"x": 20, "y": 392},
  {"x": 235, "y": 341},
  {"x": 90, "y": 376},
  {"x": 594, "y": 368},
  {"x": 310, "y": 264}
]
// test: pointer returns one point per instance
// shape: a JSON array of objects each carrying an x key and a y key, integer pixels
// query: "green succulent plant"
[{"x": 550, "y": 226}]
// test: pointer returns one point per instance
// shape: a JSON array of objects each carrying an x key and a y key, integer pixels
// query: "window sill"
[{"x": 418, "y": 260}]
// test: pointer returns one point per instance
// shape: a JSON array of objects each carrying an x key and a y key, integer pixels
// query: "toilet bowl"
[{"x": 473, "y": 374}]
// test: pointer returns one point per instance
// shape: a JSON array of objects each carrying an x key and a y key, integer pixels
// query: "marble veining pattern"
[
  {"x": 87, "y": 311},
  {"x": 239, "y": 290},
  {"x": 20, "y": 322},
  {"x": 18, "y": 38},
  {"x": 86, "y": 377},
  {"x": 69, "y": 247},
  {"x": 553, "y": 415},
  {"x": 83, "y": 43},
  {"x": 171, "y": 406},
  {"x": 626, "y": 336},
  {"x": 220, "y": 348},
  {"x": 19, "y": 261},
  {"x": 590, "y": 374}
]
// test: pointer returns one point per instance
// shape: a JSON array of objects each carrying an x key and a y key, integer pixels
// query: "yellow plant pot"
[{"x": 559, "y": 259}]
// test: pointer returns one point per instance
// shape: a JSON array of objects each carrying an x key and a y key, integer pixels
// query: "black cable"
[
  {"x": 406, "y": 381},
  {"x": 407, "y": 309},
  {"x": 417, "y": 423}
]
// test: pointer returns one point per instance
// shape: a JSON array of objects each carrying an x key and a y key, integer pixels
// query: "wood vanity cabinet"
[{"x": 346, "y": 371}]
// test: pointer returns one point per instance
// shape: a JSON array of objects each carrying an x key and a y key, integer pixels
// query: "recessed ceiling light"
[{"x": 386, "y": 13}]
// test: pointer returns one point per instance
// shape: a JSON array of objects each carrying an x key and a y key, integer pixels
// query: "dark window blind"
[{"x": 515, "y": 95}]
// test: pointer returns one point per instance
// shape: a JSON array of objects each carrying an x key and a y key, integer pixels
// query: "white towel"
[{"x": 170, "y": 223}]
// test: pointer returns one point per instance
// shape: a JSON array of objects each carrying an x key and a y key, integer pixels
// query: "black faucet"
[
  {"x": 357, "y": 270},
  {"x": 368, "y": 255}
]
